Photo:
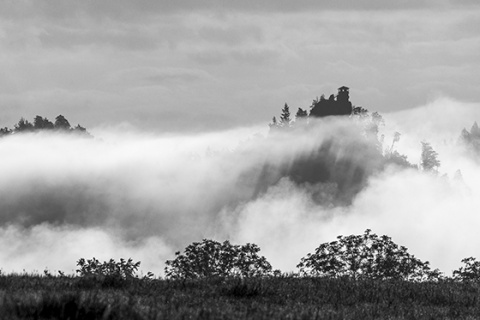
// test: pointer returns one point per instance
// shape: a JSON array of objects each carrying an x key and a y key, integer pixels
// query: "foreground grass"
[{"x": 38, "y": 297}]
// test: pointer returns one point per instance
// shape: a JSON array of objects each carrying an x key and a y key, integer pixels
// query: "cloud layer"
[{"x": 132, "y": 194}]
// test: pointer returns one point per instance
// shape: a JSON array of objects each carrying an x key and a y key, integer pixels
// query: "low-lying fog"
[{"x": 126, "y": 194}]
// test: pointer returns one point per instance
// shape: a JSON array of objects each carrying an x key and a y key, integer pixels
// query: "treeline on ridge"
[{"x": 39, "y": 123}]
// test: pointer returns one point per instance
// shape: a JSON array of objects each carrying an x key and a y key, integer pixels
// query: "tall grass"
[{"x": 284, "y": 297}]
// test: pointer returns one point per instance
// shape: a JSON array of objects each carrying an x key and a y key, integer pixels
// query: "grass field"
[{"x": 41, "y": 297}]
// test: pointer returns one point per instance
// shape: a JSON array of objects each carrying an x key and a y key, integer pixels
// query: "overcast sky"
[{"x": 191, "y": 65}]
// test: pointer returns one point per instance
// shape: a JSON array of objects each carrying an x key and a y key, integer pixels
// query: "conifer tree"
[
  {"x": 285, "y": 116},
  {"x": 274, "y": 125},
  {"x": 62, "y": 123},
  {"x": 301, "y": 114},
  {"x": 23, "y": 125}
]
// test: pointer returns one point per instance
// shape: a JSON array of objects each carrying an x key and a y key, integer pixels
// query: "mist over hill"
[{"x": 132, "y": 194}]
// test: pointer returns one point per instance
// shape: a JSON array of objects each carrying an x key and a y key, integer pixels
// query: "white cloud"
[{"x": 148, "y": 195}]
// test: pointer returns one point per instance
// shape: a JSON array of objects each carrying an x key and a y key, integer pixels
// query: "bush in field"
[
  {"x": 210, "y": 258},
  {"x": 470, "y": 272},
  {"x": 365, "y": 256},
  {"x": 123, "y": 269}
]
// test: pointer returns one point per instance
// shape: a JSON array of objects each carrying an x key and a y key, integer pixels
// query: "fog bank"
[{"x": 129, "y": 194}]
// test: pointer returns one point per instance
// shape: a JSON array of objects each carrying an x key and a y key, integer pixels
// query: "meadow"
[{"x": 24, "y": 296}]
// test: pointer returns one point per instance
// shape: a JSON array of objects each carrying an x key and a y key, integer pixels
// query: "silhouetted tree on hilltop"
[
  {"x": 301, "y": 114},
  {"x": 360, "y": 111},
  {"x": 321, "y": 107},
  {"x": 61, "y": 123},
  {"x": 23, "y": 125},
  {"x": 339, "y": 105},
  {"x": 285, "y": 117},
  {"x": 41, "y": 124}
]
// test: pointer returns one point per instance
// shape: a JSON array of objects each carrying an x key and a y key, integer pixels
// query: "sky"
[{"x": 191, "y": 66}]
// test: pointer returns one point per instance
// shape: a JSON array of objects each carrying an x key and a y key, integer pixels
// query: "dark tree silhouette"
[
  {"x": 365, "y": 256},
  {"x": 332, "y": 107},
  {"x": 40, "y": 123},
  {"x": 285, "y": 117},
  {"x": 301, "y": 114},
  {"x": 23, "y": 125},
  {"x": 5, "y": 131},
  {"x": 210, "y": 258},
  {"x": 61, "y": 123},
  {"x": 112, "y": 270},
  {"x": 360, "y": 111},
  {"x": 469, "y": 272}
]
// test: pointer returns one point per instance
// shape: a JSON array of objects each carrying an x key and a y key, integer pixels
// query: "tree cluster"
[
  {"x": 341, "y": 106},
  {"x": 364, "y": 256},
  {"x": 61, "y": 124},
  {"x": 471, "y": 139},
  {"x": 469, "y": 272},
  {"x": 210, "y": 258},
  {"x": 334, "y": 106},
  {"x": 320, "y": 107}
]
